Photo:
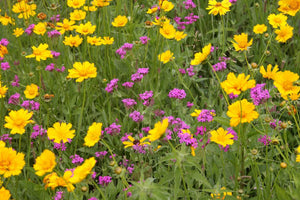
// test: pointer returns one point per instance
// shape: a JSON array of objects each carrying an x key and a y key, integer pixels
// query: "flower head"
[
  {"x": 277, "y": 20},
  {"x": 40, "y": 52},
  {"x": 167, "y": 30},
  {"x": 85, "y": 29},
  {"x": 216, "y": 7},
  {"x": 40, "y": 28},
  {"x": 221, "y": 137},
  {"x": 61, "y": 132},
  {"x": 3, "y": 90},
  {"x": 44, "y": 163},
  {"x": 4, "y": 194},
  {"x": 120, "y": 21},
  {"x": 31, "y": 91},
  {"x": 166, "y": 56},
  {"x": 201, "y": 56},
  {"x": 269, "y": 74},
  {"x": 25, "y": 10},
  {"x": 75, "y": 3},
  {"x": 93, "y": 134},
  {"x": 284, "y": 82},
  {"x": 241, "y": 42},
  {"x": 259, "y": 29},
  {"x": 77, "y": 15},
  {"x": 17, "y": 120},
  {"x": 237, "y": 84},
  {"x": 73, "y": 41},
  {"x": 18, "y": 32},
  {"x": 284, "y": 33},
  {"x": 290, "y": 7},
  {"x": 11, "y": 162},
  {"x": 64, "y": 26},
  {"x": 158, "y": 131},
  {"x": 82, "y": 71},
  {"x": 132, "y": 142},
  {"x": 83, "y": 170}
]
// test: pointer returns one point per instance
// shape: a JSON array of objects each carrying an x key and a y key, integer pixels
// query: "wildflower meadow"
[{"x": 149, "y": 99}]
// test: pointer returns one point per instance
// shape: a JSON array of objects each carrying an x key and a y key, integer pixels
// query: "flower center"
[
  {"x": 218, "y": 4},
  {"x": 294, "y": 5},
  {"x": 287, "y": 85}
]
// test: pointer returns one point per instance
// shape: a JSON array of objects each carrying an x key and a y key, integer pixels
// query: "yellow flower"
[
  {"x": 179, "y": 35},
  {"x": 83, "y": 170},
  {"x": 64, "y": 26},
  {"x": 277, "y": 20},
  {"x": 120, "y": 21},
  {"x": 90, "y": 8},
  {"x": 44, "y": 163},
  {"x": 284, "y": 82},
  {"x": 241, "y": 112},
  {"x": 53, "y": 180},
  {"x": 235, "y": 85},
  {"x": 259, "y": 29},
  {"x": 11, "y": 162},
  {"x": 18, "y": 32},
  {"x": 17, "y": 120},
  {"x": 218, "y": 195},
  {"x": 161, "y": 21},
  {"x": 152, "y": 10},
  {"x": 85, "y": 29},
  {"x": 168, "y": 31},
  {"x": 201, "y": 56},
  {"x": 101, "y": 3},
  {"x": 61, "y": 132},
  {"x": 167, "y": 6},
  {"x": 133, "y": 142},
  {"x": 107, "y": 40},
  {"x": 284, "y": 33},
  {"x": 4, "y": 194},
  {"x": 241, "y": 42},
  {"x": 221, "y": 137},
  {"x": 158, "y": 131},
  {"x": 290, "y": 7},
  {"x": 82, "y": 71},
  {"x": 166, "y": 56},
  {"x": 77, "y": 15},
  {"x": 218, "y": 7},
  {"x": 40, "y": 28},
  {"x": 5, "y": 20},
  {"x": 269, "y": 74},
  {"x": 31, "y": 91},
  {"x": 25, "y": 10},
  {"x": 93, "y": 134},
  {"x": 75, "y": 3},
  {"x": 40, "y": 52},
  {"x": 3, "y": 90},
  {"x": 3, "y": 51},
  {"x": 196, "y": 113},
  {"x": 97, "y": 41},
  {"x": 73, "y": 41}
]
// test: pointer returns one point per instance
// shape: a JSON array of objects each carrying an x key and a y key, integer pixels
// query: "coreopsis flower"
[
  {"x": 269, "y": 74},
  {"x": 93, "y": 134},
  {"x": 132, "y": 142},
  {"x": 5, "y": 20},
  {"x": 18, "y": 32},
  {"x": 90, "y": 8},
  {"x": 77, "y": 15},
  {"x": 241, "y": 112},
  {"x": 179, "y": 35},
  {"x": 61, "y": 132},
  {"x": 25, "y": 10},
  {"x": 3, "y": 51},
  {"x": 284, "y": 33},
  {"x": 31, "y": 91},
  {"x": 83, "y": 170},
  {"x": 101, "y": 3},
  {"x": 40, "y": 52},
  {"x": 290, "y": 7},
  {"x": 152, "y": 10},
  {"x": 82, "y": 71},
  {"x": 204, "y": 115},
  {"x": 201, "y": 56},
  {"x": 159, "y": 130},
  {"x": 241, "y": 43},
  {"x": 73, "y": 41},
  {"x": 160, "y": 21},
  {"x": 216, "y": 7},
  {"x": 235, "y": 85},
  {"x": 221, "y": 137},
  {"x": 107, "y": 40},
  {"x": 53, "y": 180},
  {"x": 120, "y": 21},
  {"x": 167, "y": 6},
  {"x": 4, "y": 194},
  {"x": 96, "y": 41},
  {"x": 75, "y": 3},
  {"x": 277, "y": 20},
  {"x": 223, "y": 195},
  {"x": 168, "y": 31},
  {"x": 86, "y": 28},
  {"x": 259, "y": 29},
  {"x": 284, "y": 82},
  {"x": 11, "y": 162},
  {"x": 64, "y": 26},
  {"x": 3, "y": 90},
  {"x": 166, "y": 56},
  {"x": 17, "y": 120},
  {"x": 44, "y": 163},
  {"x": 40, "y": 28}
]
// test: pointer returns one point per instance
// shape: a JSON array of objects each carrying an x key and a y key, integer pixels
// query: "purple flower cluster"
[
  {"x": 123, "y": 50},
  {"x": 55, "y": 54},
  {"x": 104, "y": 180},
  {"x": 191, "y": 18},
  {"x": 146, "y": 96},
  {"x": 175, "y": 125},
  {"x": 5, "y": 66},
  {"x": 93, "y": 198},
  {"x": 38, "y": 131},
  {"x": 129, "y": 103},
  {"x": 4, "y": 42},
  {"x": 144, "y": 39},
  {"x": 259, "y": 95},
  {"x": 219, "y": 66},
  {"x": 186, "y": 137},
  {"x": 54, "y": 34},
  {"x": 16, "y": 81},
  {"x": 190, "y": 71},
  {"x": 52, "y": 67},
  {"x": 31, "y": 105},
  {"x": 60, "y": 146},
  {"x": 113, "y": 129},
  {"x": 5, "y": 138},
  {"x": 233, "y": 96},
  {"x": 264, "y": 139},
  {"x": 55, "y": 18},
  {"x": 136, "y": 116},
  {"x": 14, "y": 99},
  {"x": 100, "y": 154},
  {"x": 76, "y": 159},
  {"x": 177, "y": 93},
  {"x": 112, "y": 85},
  {"x": 206, "y": 115},
  {"x": 200, "y": 130},
  {"x": 59, "y": 195},
  {"x": 232, "y": 1},
  {"x": 29, "y": 29},
  {"x": 189, "y": 4},
  {"x": 189, "y": 104},
  {"x": 274, "y": 123}
]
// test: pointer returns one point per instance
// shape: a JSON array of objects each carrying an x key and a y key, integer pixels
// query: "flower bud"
[{"x": 283, "y": 165}]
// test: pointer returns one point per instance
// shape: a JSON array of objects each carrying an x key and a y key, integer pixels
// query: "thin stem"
[{"x": 102, "y": 194}]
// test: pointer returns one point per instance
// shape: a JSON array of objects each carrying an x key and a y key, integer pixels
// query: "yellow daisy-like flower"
[
  {"x": 77, "y": 15},
  {"x": 196, "y": 113},
  {"x": 167, "y": 6},
  {"x": 179, "y": 35},
  {"x": 133, "y": 142},
  {"x": 235, "y": 85},
  {"x": 31, "y": 91},
  {"x": 166, "y": 56},
  {"x": 4, "y": 194},
  {"x": 96, "y": 41},
  {"x": 40, "y": 28},
  {"x": 241, "y": 42},
  {"x": 101, "y": 3},
  {"x": 241, "y": 112},
  {"x": 284, "y": 82},
  {"x": 5, "y": 20},
  {"x": 161, "y": 21},
  {"x": 64, "y": 26},
  {"x": 82, "y": 71},
  {"x": 120, "y": 21},
  {"x": 3, "y": 90},
  {"x": 201, "y": 56},
  {"x": 86, "y": 29},
  {"x": 277, "y": 20},
  {"x": 25, "y": 10},
  {"x": 17, "y": 120},
  {"x": 159, "y": 130},
  {"x": 61, "y": 132},
  {"x": 75, "y": 3},
  {"x": 53, "y": 180},
  {"x": 90, "y": 8},
  {"x": 168, "y": 31},
  {"x": 93, "y": 134},
  {"x": 83, "y": 170},
  {"x": 269, "y": 74},
  {"x": 107, "y": 40},
  {"x": 152, "y": 10},
  {"x": 44, "y": 163},
  {"x": 284, "y": 33},
  {"x": 40, "y": 52},
  {"x": 218, "y": 195},
  {"x": 3, "y": 51},
  {"x": 221, "y": 137},
  {"x": 11, "y": 162},
  {"x": 259, "y": 29},
  {"x": 216, "y": 7},
  {"x": 73, "y": 41},
  {"x": 18, "y": 32},
  {"x": 290, "y": 7}
]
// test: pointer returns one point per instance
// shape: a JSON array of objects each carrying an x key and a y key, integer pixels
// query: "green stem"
[
  {"x": 101, "y": 192},
  {"x": 263, "y": 55}
]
